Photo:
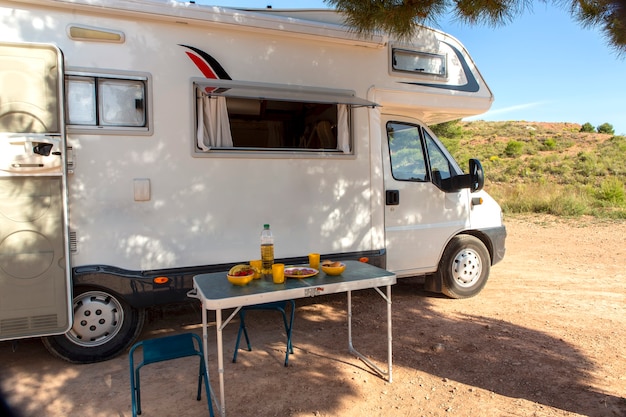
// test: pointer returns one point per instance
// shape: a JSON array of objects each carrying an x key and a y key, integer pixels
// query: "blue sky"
[{"x": 541, "y": 67}]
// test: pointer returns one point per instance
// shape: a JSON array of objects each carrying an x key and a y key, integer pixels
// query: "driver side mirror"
[
  {"x": 475, "y": 180},
  {"x": 477, "y": 175}
]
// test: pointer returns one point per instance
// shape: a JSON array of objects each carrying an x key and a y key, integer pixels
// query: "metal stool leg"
[
  {"x": 288, "y": 329},
  {"x": 242, "y": 329},
  {"x": 278, "y": 306}
]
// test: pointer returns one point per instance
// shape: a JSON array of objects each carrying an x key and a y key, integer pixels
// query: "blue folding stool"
[
  {"x": 278, "y": 306},
  {"x": 165, "y": 349}
]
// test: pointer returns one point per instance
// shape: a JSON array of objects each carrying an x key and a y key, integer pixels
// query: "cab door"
[
  {"x": 35, "y": 290},
  {"x": 420, "y": 218}
]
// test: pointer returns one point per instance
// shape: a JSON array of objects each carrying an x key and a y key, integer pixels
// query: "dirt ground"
[{"x": 546, "y": 337}]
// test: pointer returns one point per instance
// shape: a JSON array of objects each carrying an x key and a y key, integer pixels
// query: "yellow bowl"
[
  {"x": 334, "y": 270},
  {"x": 240, "y": 280}
]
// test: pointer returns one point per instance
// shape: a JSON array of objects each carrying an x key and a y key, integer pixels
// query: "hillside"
[{"x": 545, "y": 167}]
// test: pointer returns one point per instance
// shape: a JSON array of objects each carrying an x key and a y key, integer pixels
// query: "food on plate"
[{"x": 301, "y": 271}]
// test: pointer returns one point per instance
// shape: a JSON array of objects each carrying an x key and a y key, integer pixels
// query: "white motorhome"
[{"x": 143, "y": 142}]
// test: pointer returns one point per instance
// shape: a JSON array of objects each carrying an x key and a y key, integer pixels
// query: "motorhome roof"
[
  {"x": 317, "y": 15},
  {"x": 289, "y": 23}
]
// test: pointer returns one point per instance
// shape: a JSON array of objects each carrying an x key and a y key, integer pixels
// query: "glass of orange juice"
[
  {"x": 256, "y": 264},
  {"x": 278, "y": 273},
  {"x": 314, "y": 260}
]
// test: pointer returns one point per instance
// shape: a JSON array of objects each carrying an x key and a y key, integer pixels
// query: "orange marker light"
[{"x": 161, "y": 280}]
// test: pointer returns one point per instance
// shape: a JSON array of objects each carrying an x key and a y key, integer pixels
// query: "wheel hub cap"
[
  {"x": 98, "y": 317},
  {"x": 466, "y": 268}
]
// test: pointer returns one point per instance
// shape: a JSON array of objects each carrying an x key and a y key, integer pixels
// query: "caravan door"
[
  {"x": 420, "y": 218},
  {"x": 35, "y": 289}
]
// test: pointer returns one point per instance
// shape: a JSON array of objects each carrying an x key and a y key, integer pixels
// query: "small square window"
[
  {"x": 121, "y": 103},
  {"x": 101, "y": 102},
  {"x": 418, "y": 62},
  {"x": 81, "y": 100}
]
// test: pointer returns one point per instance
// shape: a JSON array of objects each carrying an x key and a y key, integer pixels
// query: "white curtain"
[
  {"x": 275, "y": 133},
  {"x": 213, "y": 124},
  {"x": 343, "y": 130}
]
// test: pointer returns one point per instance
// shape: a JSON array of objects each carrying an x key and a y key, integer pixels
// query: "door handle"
[
  {"x": 392, "y": 197},
  {"x": 43, "y": 149}
]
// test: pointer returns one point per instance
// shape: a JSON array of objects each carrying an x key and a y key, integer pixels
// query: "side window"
[
  {"x": 406, "y": 152},
  {"x": 439, "y": 165},
  {"x": 104, "y": 102},
  {"x": 81, "y": 101},
  {"x": 121, "y": 103},
  {"x": 282, "y": 124},
  {"x": 235, "y": 123},
  {"x": 416, "y": 62},
  {"x": 238, "y": 116}
]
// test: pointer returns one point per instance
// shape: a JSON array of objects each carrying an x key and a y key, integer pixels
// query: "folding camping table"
[{"x": 216, "y": 293}]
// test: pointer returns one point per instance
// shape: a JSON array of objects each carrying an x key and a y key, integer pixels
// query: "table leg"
[
  {"x": 205, "y": 338},
  {"x": 219, "y": 327},
  {"x": 220, "y": 360},
  {"x": 350, "y": 346},
  {"x": 369, "y": 363},
  {"x": 389, "y": 335}
]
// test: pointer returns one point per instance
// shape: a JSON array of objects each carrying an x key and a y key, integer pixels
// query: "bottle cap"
[{"x": 266, "y": 226}]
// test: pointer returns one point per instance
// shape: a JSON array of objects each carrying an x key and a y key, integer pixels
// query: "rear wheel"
[
  {"x": 464, "y": 267},
  {"x": 104, "y": 326}
]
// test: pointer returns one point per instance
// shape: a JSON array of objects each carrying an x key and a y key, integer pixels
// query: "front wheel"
[
  {"x": 464, "y": 267},
  {"x": 104, "y": 326}
]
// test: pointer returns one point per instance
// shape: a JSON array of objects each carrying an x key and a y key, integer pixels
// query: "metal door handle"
[{"x": 392, "y": 197}]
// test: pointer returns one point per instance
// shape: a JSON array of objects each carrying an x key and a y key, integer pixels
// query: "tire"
[
  {"x": 104, "y": 326},
  {"x": 464, "y": 267}
]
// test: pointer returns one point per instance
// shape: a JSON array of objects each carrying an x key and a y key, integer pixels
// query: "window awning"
[{"x": 279, "y": 92}]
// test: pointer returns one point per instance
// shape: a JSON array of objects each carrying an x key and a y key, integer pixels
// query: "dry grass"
[{"x": 545, "y": 167}]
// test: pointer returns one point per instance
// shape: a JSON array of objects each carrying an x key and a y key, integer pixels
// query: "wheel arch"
[
  {"x": 483, "y": 238},
  {"x": 100, "y": 280},
  {"x": 134, "y": 287}
]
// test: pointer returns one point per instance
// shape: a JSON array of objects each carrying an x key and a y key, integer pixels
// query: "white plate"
[{"x": 300, "y": 272}]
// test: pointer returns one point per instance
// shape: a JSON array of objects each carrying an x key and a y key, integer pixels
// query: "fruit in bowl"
[
  {"x": 333, "y": 268},
  {"x": 240, "y": 274}
]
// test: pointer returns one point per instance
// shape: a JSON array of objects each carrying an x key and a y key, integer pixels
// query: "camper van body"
[{"x": 143, "y": 142}]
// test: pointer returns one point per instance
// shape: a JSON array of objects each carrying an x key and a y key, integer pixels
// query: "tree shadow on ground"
[
  {"x": 323, "y": 378},
  {"x": 38, "y": 384},
  {"x": 495, "y": 355}
]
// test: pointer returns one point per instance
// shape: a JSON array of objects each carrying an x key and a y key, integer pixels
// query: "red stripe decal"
[{"x": 206, "y": 70}]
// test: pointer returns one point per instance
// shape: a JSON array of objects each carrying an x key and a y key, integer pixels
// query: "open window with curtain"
[{"x": 238, "y": 117}]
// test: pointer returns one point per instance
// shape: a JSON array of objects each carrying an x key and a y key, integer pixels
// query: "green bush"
[
  {"x": 568, "y": 205},
  {"x": 549, "y": 144},
  {"x": 587, "y": 128},
  {"x": 612, "y": 191},
  {"x": 514, "y": 148},
  {"x": 606, "y": 128}
]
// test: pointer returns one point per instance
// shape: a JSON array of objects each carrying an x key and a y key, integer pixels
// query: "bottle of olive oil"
[{"x": 267, "y": 250}]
